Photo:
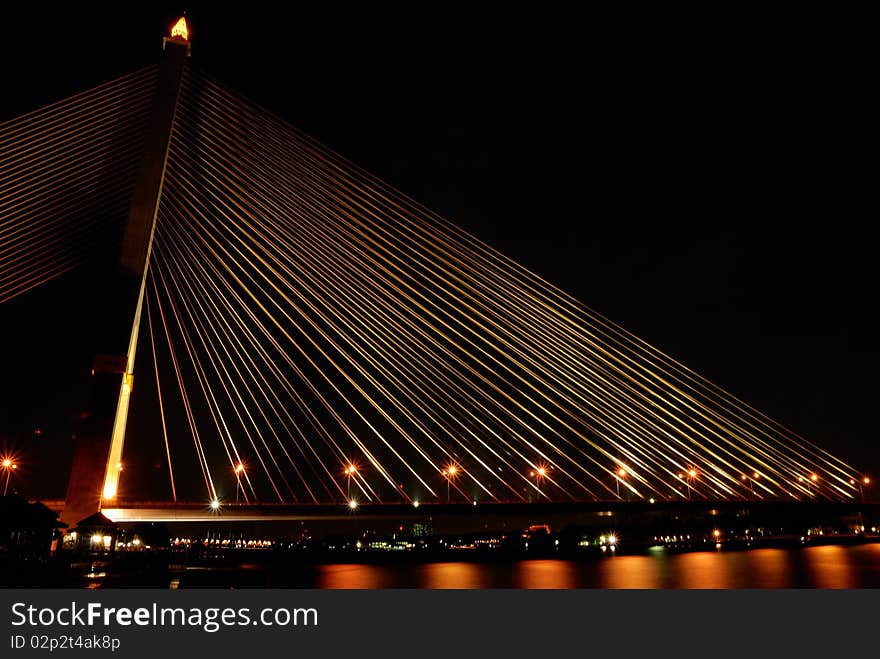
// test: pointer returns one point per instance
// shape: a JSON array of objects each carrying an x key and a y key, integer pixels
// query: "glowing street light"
[
  {"x": 539, "y": 474},
  {"x": 809, "y": 480},
  {"x": 691, "y": 475},
  {"x": 621, "y": 474},
  {"x": 752, "y": 479},
  {"x": 806, "y": 484},
  {"x": 350, "y": 471},
  {"x": 450, "y": 473},
  {"x": 239, "y": 470},
  {"x": 215, "y": 504},
  {"x": 9, "y": 466},
  {"x": 864, "y": 482},
  {"x": 352, "y": 504}
]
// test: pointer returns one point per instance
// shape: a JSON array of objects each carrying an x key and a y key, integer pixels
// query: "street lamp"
[
  {"x": 621, "y": 474},
  {"x": 239, "y": 470},
  {"x": 813, "y": 478},
  {"x": 9, "y": 466},
  {"x": 350, "y": 471},
  {"x": 450, "y": 473},
  {"x": 538, "y": 474},
  {"x": 806, "y": 483},
  {"x": 692, "y": 474}
]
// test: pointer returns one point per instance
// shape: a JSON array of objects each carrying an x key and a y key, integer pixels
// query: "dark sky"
[{"x": 709, "y": 182}]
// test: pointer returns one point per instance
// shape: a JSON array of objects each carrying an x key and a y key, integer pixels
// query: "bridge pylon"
[{"x": 96, "y": 467}]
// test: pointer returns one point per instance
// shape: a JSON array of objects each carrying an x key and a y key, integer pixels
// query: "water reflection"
[
  {"x": 545, "y": 574},
  {"x": 632, "y": 572},
  {"x": 826, "y": 566},
  {"x": 353, "y": 575},
  {"x": 867, "y": 561},
  {"x": 768, "y": 568},
  {"x": 703, "y": 569},
  {"x": 829, "y": 567},
  {"x": 454, "y": 575}
]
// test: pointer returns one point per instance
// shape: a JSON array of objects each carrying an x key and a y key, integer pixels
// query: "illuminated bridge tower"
[{"x": 94, "y": 475}]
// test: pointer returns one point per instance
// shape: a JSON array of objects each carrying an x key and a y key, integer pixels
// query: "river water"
[{"x": 828, "y": 566}]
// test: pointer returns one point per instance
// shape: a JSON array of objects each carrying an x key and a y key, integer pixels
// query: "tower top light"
[{"x": 180, "y": 30}]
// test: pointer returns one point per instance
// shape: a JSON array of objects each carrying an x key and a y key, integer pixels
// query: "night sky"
[{"x": 711, "y": 185}]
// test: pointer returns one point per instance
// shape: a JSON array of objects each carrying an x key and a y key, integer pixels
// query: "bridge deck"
[{"x": 199, "y": 512}]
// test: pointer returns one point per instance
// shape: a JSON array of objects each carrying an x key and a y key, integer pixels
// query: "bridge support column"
[{"x": 94, "y": 476}]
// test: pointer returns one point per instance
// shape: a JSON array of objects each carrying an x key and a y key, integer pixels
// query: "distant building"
[
  {"x": 422, "y": 530},
  {"x": 95, "y": 533},
  {"x": 28, "y": 531}
]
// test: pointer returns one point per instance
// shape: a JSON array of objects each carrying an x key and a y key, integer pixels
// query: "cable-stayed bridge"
[{"x": 314, "y": 337}]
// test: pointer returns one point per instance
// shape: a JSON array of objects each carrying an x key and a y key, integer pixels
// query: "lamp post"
[
  {"x": 813, "y": 478},
  {"x": 538, "y": 474},
  {"x": 239, "y": 470},
  {"x": 450, "y": 473},
  {"x": 9, "y": 466},
  {"x": 691, "y": 475},
  {"x": 621, "y": 474},
  {"x": 864, "y": 481},
  {"x": 350, "y": 471}
]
